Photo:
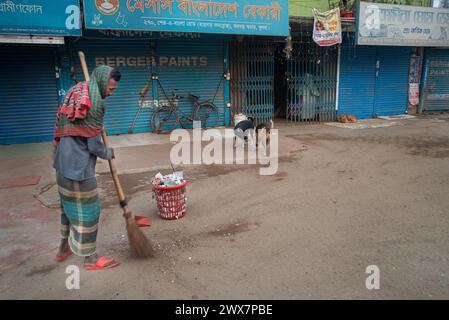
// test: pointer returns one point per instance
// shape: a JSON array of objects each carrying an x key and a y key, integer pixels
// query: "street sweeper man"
[{"x": 77, "y": 144}]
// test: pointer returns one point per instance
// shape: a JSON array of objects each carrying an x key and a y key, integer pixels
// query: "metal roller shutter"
[
  {"x": 123, "y": 105},
  {"x": 133, "y": 59},
  {"x": 28, "y": 92},
  {"x": 373, "y": 80},
  {"x": 436, "y": 89},
  {"x": 391, "y": 96},
  {"x": 357, "y": 79},
  {"x": 200, "y": 74}
]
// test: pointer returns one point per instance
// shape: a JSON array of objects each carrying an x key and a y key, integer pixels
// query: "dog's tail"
[{"x": 272, "y": 124}]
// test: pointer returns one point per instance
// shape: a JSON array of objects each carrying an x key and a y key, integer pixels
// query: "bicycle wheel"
[
  {"x": 207, "y": 113},
  {"x": 164, "y": 119}
]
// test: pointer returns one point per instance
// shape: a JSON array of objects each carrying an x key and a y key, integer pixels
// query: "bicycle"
[{"x": 166, "y": 117}]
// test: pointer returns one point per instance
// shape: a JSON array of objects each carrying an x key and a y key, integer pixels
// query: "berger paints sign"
[
  {"x": 255, "y": 17},
  {"x": 40, "y": 17},
  {"x": 148, "y": 61},
  {"x": 384, "y": 24}
]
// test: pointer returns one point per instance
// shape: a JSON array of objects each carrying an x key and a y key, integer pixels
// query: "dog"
[
  {"x": 346, "y": 118},
  {"x": 244, "y": 127},
  {"x": 267, "y": 126}
]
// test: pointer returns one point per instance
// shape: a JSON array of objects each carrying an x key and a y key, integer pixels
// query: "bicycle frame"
[{"x": 171, "y": 106}]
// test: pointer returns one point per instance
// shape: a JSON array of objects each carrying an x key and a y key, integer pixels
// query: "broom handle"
[{"x": 112, "y": 167}]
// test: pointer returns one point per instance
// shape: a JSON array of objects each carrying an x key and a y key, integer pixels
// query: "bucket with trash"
[{"x": 170, "y": 194}]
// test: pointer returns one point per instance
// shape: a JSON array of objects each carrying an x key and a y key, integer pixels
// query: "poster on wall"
[
  {"x": 415, "y": 69},
  {"x": 327, "y": 27},
  {"x": 414, "y": 79},
  {"x": 253, "y": 17},
  {"x": 413, "y": 95}
]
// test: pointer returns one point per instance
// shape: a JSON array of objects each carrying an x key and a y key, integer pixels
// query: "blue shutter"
[
  {"x": 391, "y": 95},
  {"x": 436, "y": 90},
  {"x": 123, "y": 106},
  {"x": 357, "y": 80},
  {"x": 28, "y": 92},
  {"x": 373, "y": 79},
  {"x": 199, "y": 80}
]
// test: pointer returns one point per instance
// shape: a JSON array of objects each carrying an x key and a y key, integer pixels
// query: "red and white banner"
[{"x": 327, "y": 27}]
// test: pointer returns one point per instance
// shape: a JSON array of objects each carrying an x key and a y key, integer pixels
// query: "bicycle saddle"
[{"x": 191, "y": 96}]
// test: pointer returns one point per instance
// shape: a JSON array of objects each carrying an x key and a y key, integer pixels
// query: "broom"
[{"x": 140, "y": 245}]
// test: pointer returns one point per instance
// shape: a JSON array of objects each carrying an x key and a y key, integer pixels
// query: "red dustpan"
[{"x": 142, "y": 221}]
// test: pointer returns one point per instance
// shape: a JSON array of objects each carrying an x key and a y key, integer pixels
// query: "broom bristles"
[{"x": 140, "y": 245}]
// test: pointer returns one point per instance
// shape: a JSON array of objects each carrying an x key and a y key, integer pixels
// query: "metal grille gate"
[
  {"x": 252, "y": 82},
  {"x": 312, "y": 79}
]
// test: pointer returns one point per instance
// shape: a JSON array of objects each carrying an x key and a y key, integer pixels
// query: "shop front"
[
  {"x": 307, "y": 64},
  {"x": 185, "y": 63},
  {"x": 187, "y": 52},
  {"x": 311, "y": 79},
  {"x": 31, "y": 37},
  {"x": 380, "y": 71},
  {"x": 161, "y": 47},
  {"x": 436, "y": 83},
  {"x": 374, "y": 80}
]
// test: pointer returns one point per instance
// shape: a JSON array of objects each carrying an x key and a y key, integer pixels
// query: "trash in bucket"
[{"x": 170, "y": 194}]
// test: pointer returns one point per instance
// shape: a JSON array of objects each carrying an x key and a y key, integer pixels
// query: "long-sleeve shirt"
[{"x": 76, "y": 157}]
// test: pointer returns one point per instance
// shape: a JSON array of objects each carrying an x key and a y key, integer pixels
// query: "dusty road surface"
[{"x": 342, "y": 200}]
